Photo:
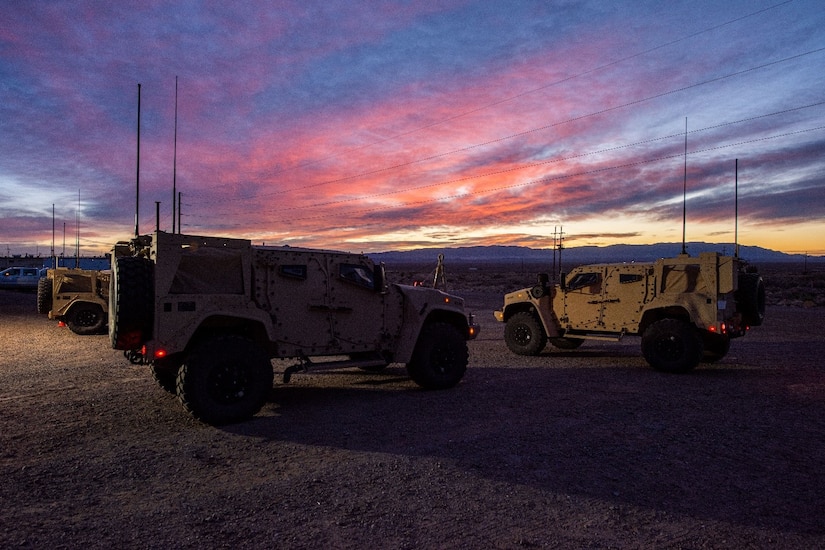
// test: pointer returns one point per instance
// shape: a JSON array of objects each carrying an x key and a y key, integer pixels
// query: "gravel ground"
[{"x": 583, "y": 449}]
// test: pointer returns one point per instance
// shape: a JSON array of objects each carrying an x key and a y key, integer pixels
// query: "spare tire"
[
  {"x": 750, "y": 299},
  {"x": 44, "y": 294},
  {"x": 131, "y": 302}
]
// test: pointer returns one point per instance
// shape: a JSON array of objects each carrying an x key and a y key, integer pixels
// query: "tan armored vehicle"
[
  {"x": 208, "y": 314},
  {"x": 77, "y": 297},
  {"x": 685, "y": 309}
]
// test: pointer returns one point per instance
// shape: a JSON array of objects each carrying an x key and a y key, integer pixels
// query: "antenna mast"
[
  {"x": 137, "y": 175},
  {"x": 684, "y": 195},
  {"x": 175, "y": 158},
  {"x": 54, "y": 258},
  {"x": 77, "y": 232}
]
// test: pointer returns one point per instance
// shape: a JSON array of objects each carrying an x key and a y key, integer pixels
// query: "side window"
[
  {"x": 582, "y": 280},
  {"x": 293, "y": 271},
  {"x": 626, "y": 278},
  {"x": 30, "y": 272},
  {"x": 357, "y": 274}
]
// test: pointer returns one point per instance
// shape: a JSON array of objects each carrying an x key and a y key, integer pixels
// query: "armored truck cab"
[
  {"x": 686, "y": 309},
  {"x": 77, "y": 297},
  {"x": 209, "y": 313}
]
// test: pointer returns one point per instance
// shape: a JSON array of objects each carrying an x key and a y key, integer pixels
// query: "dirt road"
[{"x": 584, "y": 449}]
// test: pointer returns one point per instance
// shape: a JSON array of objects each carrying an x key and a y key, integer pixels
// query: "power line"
[
  {"x": 533, "y": 130},
  {"x": 528, "y": 92},
  {"x": 546, "y": 162},
  {"x": 551, "y": 161},
  {"x": 548, "y": 179}
]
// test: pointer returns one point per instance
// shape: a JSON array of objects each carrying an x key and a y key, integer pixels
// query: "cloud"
[{"x": 330, "y": 121}]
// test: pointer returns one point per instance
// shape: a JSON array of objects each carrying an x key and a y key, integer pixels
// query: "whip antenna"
[
  {"x": 137, "y": 176},
  {"x": 684, "y": 195},
  {"x": 175, "y": 158}
]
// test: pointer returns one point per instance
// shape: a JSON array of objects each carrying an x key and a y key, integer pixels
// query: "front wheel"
[
  {"x": 86, "y": 319},
  {"x": 439, "y": 360},
  {"x": 671, "y": 345},
  {"x": 225, "y": 380},
  {"x": 566, "y": 342},
  {"x": 524, "y": 334}
]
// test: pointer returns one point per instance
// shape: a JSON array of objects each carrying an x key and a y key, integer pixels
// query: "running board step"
[
  {"x": 610, "y": 337},
  {"x": 305, "y": 363}
]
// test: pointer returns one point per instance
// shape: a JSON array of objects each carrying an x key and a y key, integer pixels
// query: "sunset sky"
[{"x": 376, "y": 126}]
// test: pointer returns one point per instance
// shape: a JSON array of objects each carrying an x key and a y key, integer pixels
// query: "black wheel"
[
  {"x": 750, "y": 298},
  {"x": 566, "y": 343},
  {"x": 225, "y": 380},
  {"x": 524, "y": 334},
  {"x": 671, "y": 345},
  {"x": 716, "y": 346},
  {"x": 131, "y": 302},
  {"x": 440, "y": 357},
  {"x": 165, "y": 373},
  {"x": 86, "y": 318},
  {"x": 44, "y": 295}
]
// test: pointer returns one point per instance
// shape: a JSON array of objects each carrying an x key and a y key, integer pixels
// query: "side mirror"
[
  {"x": 563, "y": 281},
  {"x": 379, "y": 274}
]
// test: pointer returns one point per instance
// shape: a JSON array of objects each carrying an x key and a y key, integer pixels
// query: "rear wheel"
[
  {"x": 165, "y": 373},
  {"x": 131, "y": 302},
  {"x": 672, "y": 345},
  {"x": 440, "y": 357},
  {"x": 716, "y": 346},
  {"x": 86, "y": 318},
  {"x": 524, "y": 334},
  {"x": 225, "y": 380}
]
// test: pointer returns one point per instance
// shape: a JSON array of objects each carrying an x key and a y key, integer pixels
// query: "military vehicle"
[
  {"x": 77, "y": 297},
  {"x": 686, "y": 309},
  {"x": 209, "y": 313}
]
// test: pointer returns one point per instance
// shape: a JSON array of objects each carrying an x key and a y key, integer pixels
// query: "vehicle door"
[
  {"x": 357, "y": 306},
  {"x": 624, "y": 295},
  {"x": 582, "y": 299}
]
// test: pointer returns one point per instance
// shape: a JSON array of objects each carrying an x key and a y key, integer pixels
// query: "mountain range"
[{"x": 582, "y": 254}]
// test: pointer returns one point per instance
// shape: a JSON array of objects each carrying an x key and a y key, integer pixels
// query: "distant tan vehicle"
[
  {"x": 77, "y": 297},
  {"x": 208, "y": 314},
  {"x": 686, "y": 309}
]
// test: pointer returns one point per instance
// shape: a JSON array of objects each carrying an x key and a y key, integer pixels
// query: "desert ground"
[{"x": 583, "y": 449}]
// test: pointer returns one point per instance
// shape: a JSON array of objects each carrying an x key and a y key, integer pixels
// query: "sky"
[{"x": 377, "y": 126}]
